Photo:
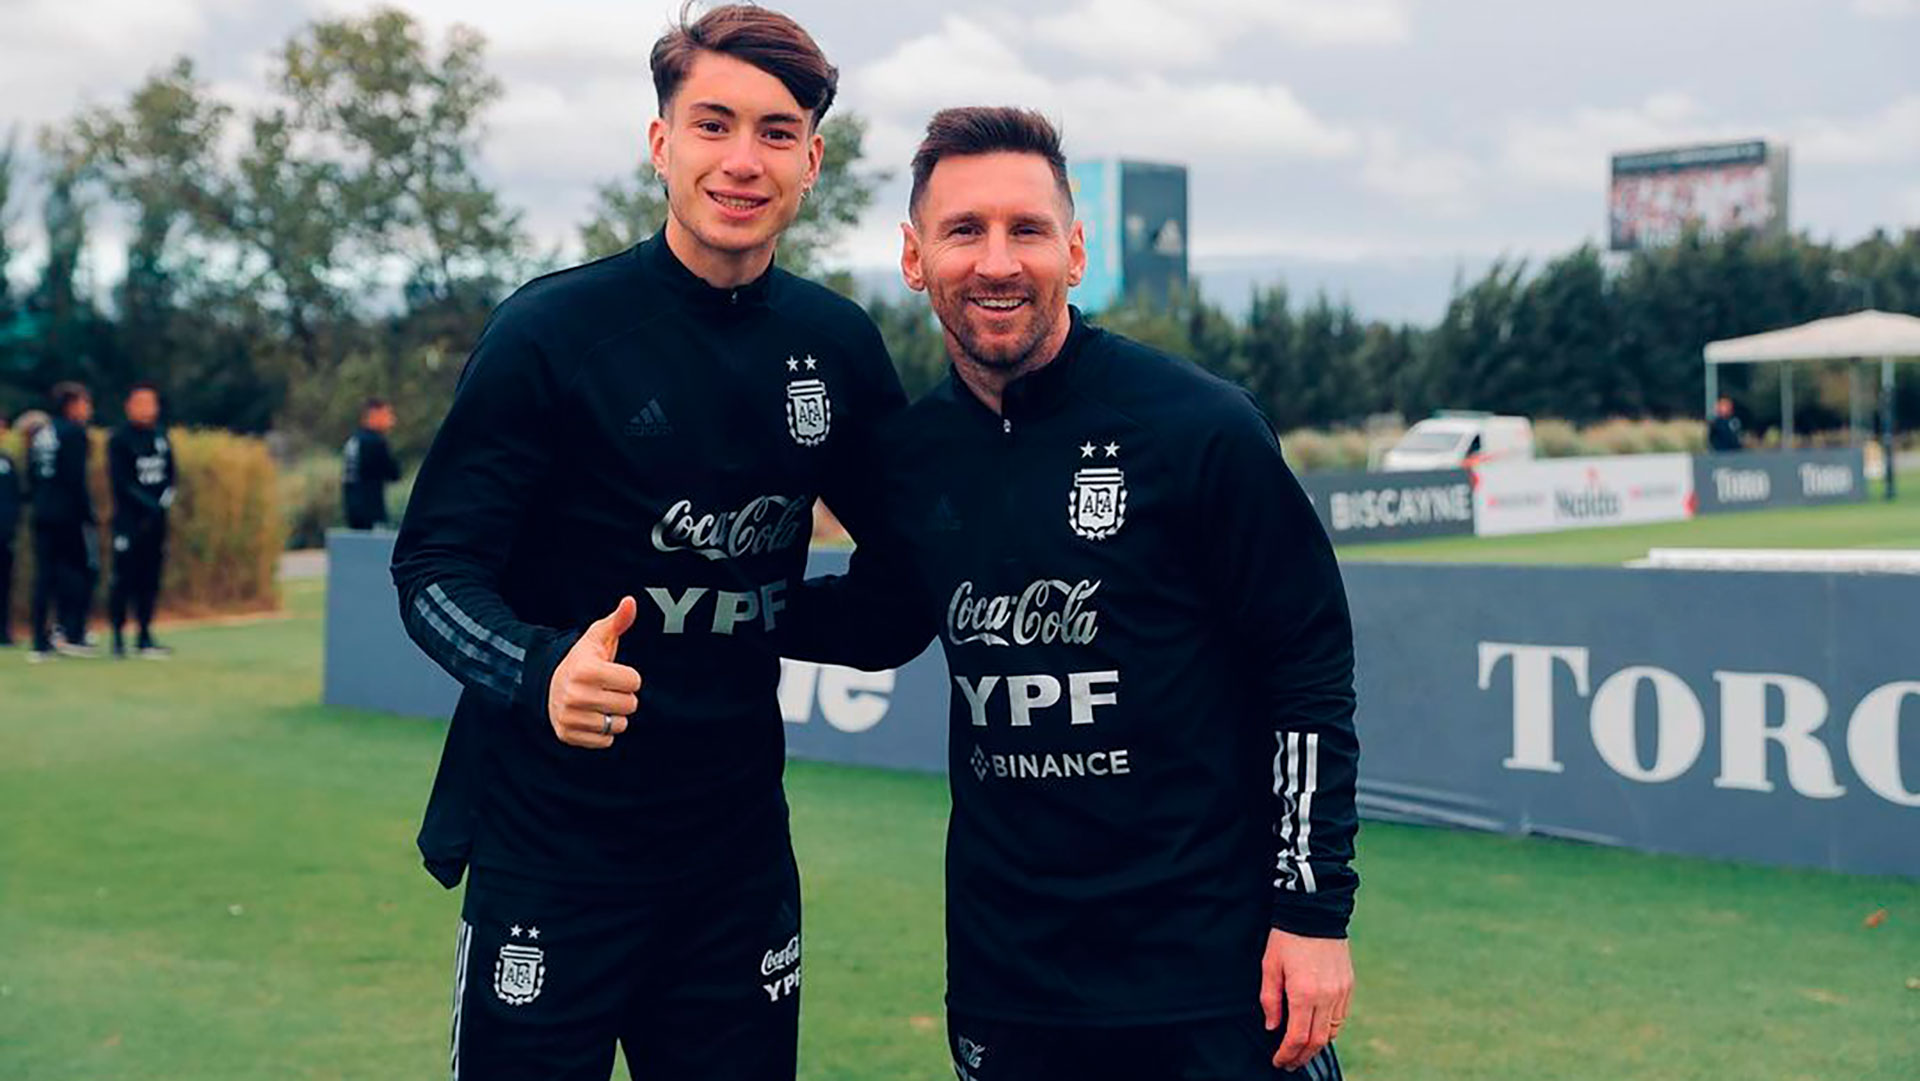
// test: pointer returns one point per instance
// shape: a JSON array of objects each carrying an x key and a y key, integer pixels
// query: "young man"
[
  {"x": 66, "y": 555},
  {"x": 140, "y": 467},
  {"x": 1151, "y": 745},
  {"x": 652, "y": 427},
  {"x": 367, "y": 466},
  {"x": 9, "y": 525}
]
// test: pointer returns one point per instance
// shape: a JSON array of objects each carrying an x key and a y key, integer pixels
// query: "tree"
[
  {"x": 630, "y": 210},
  {"x": 914, "y": 339},
  {"x": 16, "y": 329},
  {"x": 66, "y": 322},
  {"x": 405, "y": 130},
  {"x": 158, "y": 158}
]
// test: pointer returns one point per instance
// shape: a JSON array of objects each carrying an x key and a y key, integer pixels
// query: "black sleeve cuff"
[{"x": 1292, "y": 914}]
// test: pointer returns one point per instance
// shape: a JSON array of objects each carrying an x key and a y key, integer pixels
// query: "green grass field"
[
  {"x": 205, "y": 876},
  {"x": 1874, "y": 524}
]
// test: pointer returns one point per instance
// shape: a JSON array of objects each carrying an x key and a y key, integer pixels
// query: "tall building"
[{"x": 1135, "y": 214}]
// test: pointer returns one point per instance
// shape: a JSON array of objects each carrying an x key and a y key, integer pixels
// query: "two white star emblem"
[
  {"x": 1112, "y": 449},
  {"x": 794, "y": 365},
  {"x": 532, "y": 932}
]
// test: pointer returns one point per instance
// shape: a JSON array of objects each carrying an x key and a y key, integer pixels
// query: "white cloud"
[
  {"x": 1572, "y": 152},
  {"x": 1323, "y": 22},
  {"x": 1890, "y": 135},
  {"x": 1167, "y": 34},
  {"x": 1129, "y": 33},
  {"x": 58, "y": 55},
  {"x": 1443, "y": 182},
  {"x": 1151, "y": 115},
  {"x": 1886, "y": 9}
]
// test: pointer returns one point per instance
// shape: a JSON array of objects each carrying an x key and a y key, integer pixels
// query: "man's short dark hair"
[
  {"x": 144, "y": 384},
  {"x": 754, "y": 35},
  {"x": 372, "y": 404},
  {"x": 65, "y": 394},
  {"x": 980, "y": 129}
]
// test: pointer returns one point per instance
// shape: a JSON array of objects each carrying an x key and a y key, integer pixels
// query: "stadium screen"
[{"x": 1720, "y": 188}]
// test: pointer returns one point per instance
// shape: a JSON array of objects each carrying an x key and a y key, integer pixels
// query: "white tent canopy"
[
  {"x": 1862, "y": 335},
  {"x": 1843, "y": 337}
]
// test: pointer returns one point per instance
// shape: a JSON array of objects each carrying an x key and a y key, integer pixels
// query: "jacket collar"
[
  {"x": 1043, "y": 391},
  {"x": 657, "y": 255}
]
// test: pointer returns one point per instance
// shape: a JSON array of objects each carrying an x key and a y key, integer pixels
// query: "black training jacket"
[
  {"x": 57, "y": 474},
  {"x": 367, "y": 466},
  {"x": 1151, "y": 742},
  {"x": 625, "y": 428},
  {"x": 140, "y": 466},
  {"x": 9, "y": 500}
]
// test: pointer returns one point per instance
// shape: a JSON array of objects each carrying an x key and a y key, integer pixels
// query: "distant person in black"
[
  {"x": 1725, "y": 430},
  {"x": 140, "y": 467},
  {"x": 9, "y": 525},
  {"x": 66, "y": 552},
  {"x": 367, "y": 467},
  {"x": 1151, "y": 743},
  {"x": 626, "y": 479}
]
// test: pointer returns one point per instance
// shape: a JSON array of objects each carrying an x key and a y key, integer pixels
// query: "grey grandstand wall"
[{"x": 1765, "y": 717}]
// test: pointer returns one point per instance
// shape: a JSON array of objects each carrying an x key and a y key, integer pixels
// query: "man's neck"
[
  {"x": 720, "y": 269},
  {"x": 989, "y": 382}
]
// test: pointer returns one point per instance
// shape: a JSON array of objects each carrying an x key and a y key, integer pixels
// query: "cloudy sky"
[{"x": 1368, "y": 146}]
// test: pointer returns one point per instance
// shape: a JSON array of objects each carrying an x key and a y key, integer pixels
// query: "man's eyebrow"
[{"x": 729, "y": 113}]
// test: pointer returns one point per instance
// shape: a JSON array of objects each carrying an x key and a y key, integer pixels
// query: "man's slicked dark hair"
[
  {"x": 982, "y": 129},
  {"x": 753, "y": 35}
]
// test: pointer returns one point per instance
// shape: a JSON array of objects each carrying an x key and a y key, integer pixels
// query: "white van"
[{"x": 1461, "y": 440}]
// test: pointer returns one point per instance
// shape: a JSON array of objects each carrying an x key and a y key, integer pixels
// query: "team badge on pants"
[{"x": 519, "y": 974}]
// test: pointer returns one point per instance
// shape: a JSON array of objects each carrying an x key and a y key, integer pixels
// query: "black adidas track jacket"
[
  {"x": 624, "y": 428},
  {"x": 1151, "y": 742}
]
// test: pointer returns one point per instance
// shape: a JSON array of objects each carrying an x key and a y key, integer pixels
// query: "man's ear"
[
  {"x": 910, "y": 268},
  {"x": 657, "y": 145},
  {"x": 1076, "y": 253}
]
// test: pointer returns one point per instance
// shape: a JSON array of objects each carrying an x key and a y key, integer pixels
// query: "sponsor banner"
[
  {"x": 1755, "y": 716},
  {"x": 1360, "y": 507},
  {"x": 1779, "y": 478},
  {"x": 1581, "y": 493}
]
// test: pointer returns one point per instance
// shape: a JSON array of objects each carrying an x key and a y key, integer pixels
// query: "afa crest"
[
  {"x": 1097, "y": 506},
  {"x": 809, "y": 412},
  {"x": 519, "y": 974}
]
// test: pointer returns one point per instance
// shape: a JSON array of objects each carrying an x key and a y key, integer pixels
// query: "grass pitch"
[{"x": 205, "y": 876}]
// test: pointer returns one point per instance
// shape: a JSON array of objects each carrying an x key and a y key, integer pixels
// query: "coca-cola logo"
[
  {"x": 775, "y": 960},
  {"x": 767, "y": 524},
  {"x": 1048, "y": 612}
]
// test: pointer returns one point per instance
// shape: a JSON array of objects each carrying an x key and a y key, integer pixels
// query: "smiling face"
[
  {"x": 994, "y": 245},
  {"x": 737, "y": 152}
]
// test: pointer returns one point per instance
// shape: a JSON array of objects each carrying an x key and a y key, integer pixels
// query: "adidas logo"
[
  {"x": 651, "y": 421},
  {"x": 944, "y": 519}
]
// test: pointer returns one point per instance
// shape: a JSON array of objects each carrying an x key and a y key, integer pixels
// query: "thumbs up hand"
[{"x": 591, "y": 697}]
